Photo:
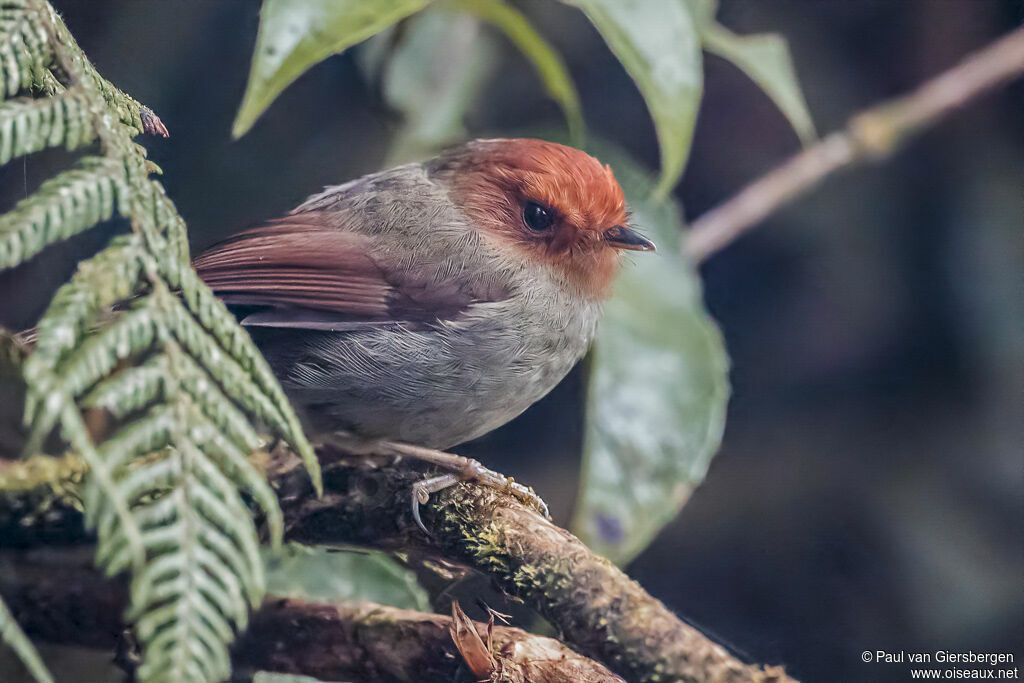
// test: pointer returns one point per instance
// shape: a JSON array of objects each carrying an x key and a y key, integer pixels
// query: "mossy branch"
[
  {"x": 598, "y": 610},
  {"x": 61, "y": 601}
]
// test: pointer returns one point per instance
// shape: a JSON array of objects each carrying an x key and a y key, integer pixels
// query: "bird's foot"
[{"x": 463, "y": 469}]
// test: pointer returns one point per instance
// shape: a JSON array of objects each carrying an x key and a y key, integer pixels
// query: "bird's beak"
[{"x": 621, "y": 237}]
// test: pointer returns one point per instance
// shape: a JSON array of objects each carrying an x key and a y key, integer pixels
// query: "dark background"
[{"x": 869, "y": 493}]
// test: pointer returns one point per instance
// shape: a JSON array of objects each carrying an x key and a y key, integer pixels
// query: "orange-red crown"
[{"x": 493, "y": 179}]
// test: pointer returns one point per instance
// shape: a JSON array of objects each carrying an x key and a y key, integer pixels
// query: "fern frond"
[
  {"x": 28, "y": 126},
  {"x": 128, "y": 109},
  {"x": 100, "y": 476},
  {"x": 12, "y": 636},
  {"x": 217, "y": 408},
  {"x": 203, "y": 571},
  {"x": 108, "y": 277},
  {"x": 136, "y": 334},
  {"x": 129, "y": 390},
  {"x": 238, "y": 382},
  {"x": 24, "y": 49},
  {"x": 73, "y": 201},
  {"x": 217, "y": 424},
  {"x": 99, "y": 282},
  {"x": 235, "y": 464},
  {"x": 169, "y": 221},
  {"x": 220, "y": 323},
  {"x": 96, "y": 358}
]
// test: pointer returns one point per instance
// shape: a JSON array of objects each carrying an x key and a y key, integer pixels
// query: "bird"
[{"x": 416, "y": 308}]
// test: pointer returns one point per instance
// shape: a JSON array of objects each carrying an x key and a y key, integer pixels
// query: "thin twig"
[{"x": 871, "y": 135}]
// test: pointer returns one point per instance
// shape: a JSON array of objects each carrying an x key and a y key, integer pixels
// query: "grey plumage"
[{"x": 455, "y": 339}]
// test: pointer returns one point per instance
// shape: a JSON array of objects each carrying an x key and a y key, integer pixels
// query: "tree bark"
[
  {"x": 65, "y": 602},
  {"x": 594, "y": 606}
]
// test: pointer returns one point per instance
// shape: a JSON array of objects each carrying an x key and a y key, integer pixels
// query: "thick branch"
[
  {"x": 592, "y": 603},
  {"x": 71, "y": 604},
  {"x": 870, "y": 135}
]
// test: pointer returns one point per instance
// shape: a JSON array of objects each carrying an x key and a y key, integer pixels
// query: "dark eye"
[{"x": 537, "y": 216}]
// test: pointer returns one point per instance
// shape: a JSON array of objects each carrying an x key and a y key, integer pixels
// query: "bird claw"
[
  {"x": 527, "y": 496},
  {"x": 421, "y": 491},
  {"x": 474, "y": 471},
  {"x": 462, "y": 469}
]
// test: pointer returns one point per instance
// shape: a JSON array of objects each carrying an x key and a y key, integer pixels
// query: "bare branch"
[{"x": 871, "y": 135}]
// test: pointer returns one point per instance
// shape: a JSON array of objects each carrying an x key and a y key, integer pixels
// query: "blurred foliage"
[
  {"x": 269, "y": 677},
  {"x": 548, "y": 63},
  {"x": 658, "y": 44},
  {"x": 658, "y": 389},
  {"x": 431, "y": 76},
  {"x": 12, "y": 636},
  {"x": 657, "y": 41},
  {"x": 330, "y": 575},
  {"x": 765, "y": 58},
  {"x": 296, "y": 34}
]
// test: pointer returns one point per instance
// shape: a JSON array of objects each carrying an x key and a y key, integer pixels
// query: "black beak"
[{"x": 621, "y": 237}]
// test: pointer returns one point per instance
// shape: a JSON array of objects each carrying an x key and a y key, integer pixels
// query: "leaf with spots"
[{"x": 658, "y": 386}]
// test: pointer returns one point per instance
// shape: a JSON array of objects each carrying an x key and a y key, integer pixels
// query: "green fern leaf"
[
  {"x": 65, "y": 205},
  {"x": 203, "y": 568},
  {"x": 107, "y": 278},
  {"x": 169, "y": 221},
  {"x": 24, "y": 51},
  {"x": 219, "y": 425},
  {"x": 253, "y": 385},
  {"x": 170, "y": 478},
  {"x": 220, "y": 323},
  {"x": 28, "y": 126},
  {"x": 129, "y": 390},
  {"x": 217, "y": 408},
  {"x": 100, "y": 476},
  {"x": 95, "y": 357},
  {"x": 202, "y": 576},
  {"x": 233, "y": 461}
]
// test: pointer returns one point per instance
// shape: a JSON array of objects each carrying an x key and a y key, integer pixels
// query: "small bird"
[{"x": 417, "y": 308}]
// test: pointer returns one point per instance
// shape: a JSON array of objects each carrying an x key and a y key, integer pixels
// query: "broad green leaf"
[
  {"x": 433, "y": 76},
  {"x": 332, "y": 575},
  {"x": 297, "y": 34},
  {"x": 658, "y": 386},
  {"x": 658, "y": 44},
  {"x": 546, "y": 61},
  {"x": 765, "y": 58}
]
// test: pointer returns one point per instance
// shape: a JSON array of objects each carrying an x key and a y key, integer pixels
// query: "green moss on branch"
[{"x": 596, "y": 608}]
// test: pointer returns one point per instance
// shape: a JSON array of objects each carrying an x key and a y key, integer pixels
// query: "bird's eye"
[{"x": 537, "y": 216}]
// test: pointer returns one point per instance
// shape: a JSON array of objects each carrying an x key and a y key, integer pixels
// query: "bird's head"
[{"x": 548, "y": 204}]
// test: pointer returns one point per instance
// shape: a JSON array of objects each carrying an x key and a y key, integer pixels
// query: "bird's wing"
[{"x": 294, "y": 272}]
